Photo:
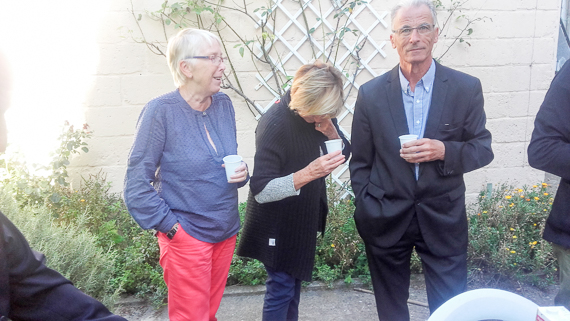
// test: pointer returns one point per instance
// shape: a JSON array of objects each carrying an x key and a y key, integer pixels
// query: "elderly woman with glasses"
[
  {"x": 287, "y": 205},
  {"x": 175, "y": 181}
]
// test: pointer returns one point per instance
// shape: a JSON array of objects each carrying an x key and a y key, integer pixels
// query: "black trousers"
[{"x": 445, "y": 277}]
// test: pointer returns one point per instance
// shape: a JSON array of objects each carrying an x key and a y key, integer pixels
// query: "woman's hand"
[
  {"x": 240, "y": 175},
  {"x": 326, "y": 127},
  {"x": 318, "y": 168}
]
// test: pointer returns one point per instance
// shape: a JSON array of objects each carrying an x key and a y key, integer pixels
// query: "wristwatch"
[{"x": 172, "y": 231}]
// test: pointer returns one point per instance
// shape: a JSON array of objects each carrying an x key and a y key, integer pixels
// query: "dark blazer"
[
  {"x": 549, "y": 150},
  {"x": 387, "y": 193}
]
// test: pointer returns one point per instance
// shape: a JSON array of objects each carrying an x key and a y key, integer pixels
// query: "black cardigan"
[{"x": 286, "y": 143}]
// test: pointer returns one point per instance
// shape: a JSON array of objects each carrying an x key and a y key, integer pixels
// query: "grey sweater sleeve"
[{"x": 277, "y": 189}]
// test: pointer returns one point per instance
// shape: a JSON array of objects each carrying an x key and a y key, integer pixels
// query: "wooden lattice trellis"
[{"x": 350, "y": 50}]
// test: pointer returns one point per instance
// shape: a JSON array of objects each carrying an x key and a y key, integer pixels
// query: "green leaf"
[
  {"x": 256, "y": 10},
  {"x": 85, "y": 149},
  {"x": 167, "y": 21},
  {"x": 55, "y": 198},
  {"x": 241, "y": 51},
  {"x": 61, "y": 181},
  {"x": 140, "y": 17},
  {"x": 469, "y": 31},
  {"x": 312, "y": 30}
]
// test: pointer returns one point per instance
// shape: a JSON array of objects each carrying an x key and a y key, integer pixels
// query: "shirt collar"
[{"x": 426, "y": 81}]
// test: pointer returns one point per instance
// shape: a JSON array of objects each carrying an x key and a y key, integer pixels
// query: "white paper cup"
[
  {"x": 407, "y": 138},
  {"x": 333, "y": 145},
  {"x": 232, "y": 162}
]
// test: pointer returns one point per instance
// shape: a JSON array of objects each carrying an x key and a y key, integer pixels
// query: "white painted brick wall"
[{"x": 513, "y": 55}]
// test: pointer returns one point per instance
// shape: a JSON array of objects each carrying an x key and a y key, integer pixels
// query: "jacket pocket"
[
  {"x": 375, "y": 191},
  {"x": 451, "y": 132}
]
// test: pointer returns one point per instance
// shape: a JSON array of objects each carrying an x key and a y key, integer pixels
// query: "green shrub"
[
  {"x": 29, "y": 188},
  {"x": 92, "y": 209},
  {"x": 71, "y": 251},
  {"x": 88, "y": 235},
  {"x": 340, "y": 251},
  {"x": 505, "y": 234}
]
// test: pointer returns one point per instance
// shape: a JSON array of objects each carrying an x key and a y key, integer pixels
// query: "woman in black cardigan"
[{"x": 287, "y": 203}]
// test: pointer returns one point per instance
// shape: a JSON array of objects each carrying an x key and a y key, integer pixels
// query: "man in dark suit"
[
  {"x": 549, "y": 150},
  {"x": 413, "y": 196}
]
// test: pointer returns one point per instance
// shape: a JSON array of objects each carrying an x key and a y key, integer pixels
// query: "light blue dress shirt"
[{"x": 417, "y": 103}]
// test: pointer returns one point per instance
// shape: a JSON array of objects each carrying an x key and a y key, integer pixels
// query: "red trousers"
[{"x": 195, "y": 273}]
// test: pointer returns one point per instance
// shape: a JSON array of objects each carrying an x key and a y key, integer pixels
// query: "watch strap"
[{"x": 173, "y": 231}]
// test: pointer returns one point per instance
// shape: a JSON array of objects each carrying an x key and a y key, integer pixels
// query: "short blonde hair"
[
  {"x": 317, "y": 90},
  {"x": 187, "y": 43}
]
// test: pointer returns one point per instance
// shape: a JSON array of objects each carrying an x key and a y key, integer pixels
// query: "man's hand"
[{"x": 423, "y": 150}]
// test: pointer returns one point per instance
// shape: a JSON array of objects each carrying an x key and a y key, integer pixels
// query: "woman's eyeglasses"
[{"x": 216, "y": 60}]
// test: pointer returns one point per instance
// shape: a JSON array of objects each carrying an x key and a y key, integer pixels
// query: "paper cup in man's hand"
[{"x": 407, "y": 138}]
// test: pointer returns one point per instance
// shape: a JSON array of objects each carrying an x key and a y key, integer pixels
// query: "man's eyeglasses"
[
  {"x": 422, "y": 29},
  {"x": 216, "y": 60}
]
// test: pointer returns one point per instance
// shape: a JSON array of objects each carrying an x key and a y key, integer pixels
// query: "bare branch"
[
  {"x": 240, "y": 93},
  {"x": 308, "y": 29},
  {"x": 458, "y": 37},
  {"x": 244, "y": 11},
  {"x": 155, "y": 49},
  {"x": 358, "y": 67}
]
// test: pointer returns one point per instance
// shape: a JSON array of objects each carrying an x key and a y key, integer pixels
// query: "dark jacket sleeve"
[
  {"x": 549, "y": 148},
  {"x": 474, "y": 150},
  {"x": 362, "y": 141}
]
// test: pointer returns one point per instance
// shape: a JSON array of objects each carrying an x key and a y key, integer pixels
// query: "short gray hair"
[
  {"x": 414, "y": 3},
  {"x": 187, "y": 43}
]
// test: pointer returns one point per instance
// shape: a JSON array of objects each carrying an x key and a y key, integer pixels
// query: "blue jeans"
[{"x": 282, "y": 296}]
